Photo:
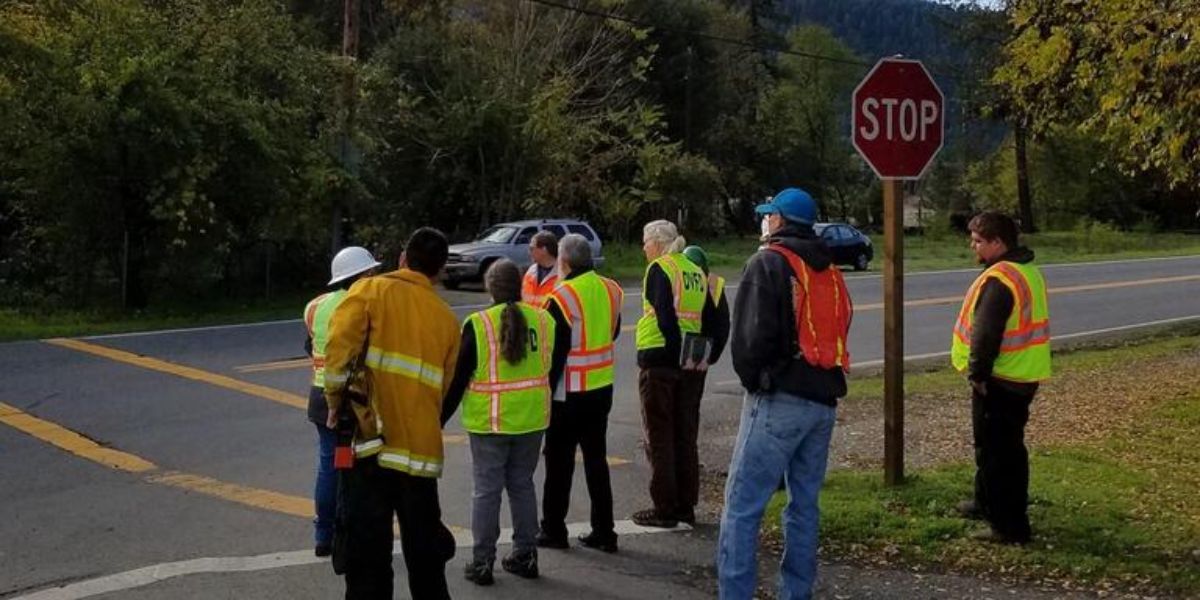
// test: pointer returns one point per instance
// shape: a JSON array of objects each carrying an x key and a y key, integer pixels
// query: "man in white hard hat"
[{"x": 349, "y": 265}]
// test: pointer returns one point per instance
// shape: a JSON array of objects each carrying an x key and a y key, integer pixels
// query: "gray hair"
[
  {"x": 664, "y": 233},
  {"x": 574, "y": 250}
]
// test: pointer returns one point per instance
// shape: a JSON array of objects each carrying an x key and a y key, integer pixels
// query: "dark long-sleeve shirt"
[{"x": 715, "y": 325}]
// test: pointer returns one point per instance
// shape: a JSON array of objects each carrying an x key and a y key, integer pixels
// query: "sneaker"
[
  {"x": 969, "y": 509},
  {"x": 686, "y": 515},
  {"x": 652, "y": 518},
  {"x": 479, "y": 572},
  {"x": 323, "y": 549},
  {"x": 545, "y": 540},
  {"x": 603, "y": 543},
  {"x": 521, "y": 565}
]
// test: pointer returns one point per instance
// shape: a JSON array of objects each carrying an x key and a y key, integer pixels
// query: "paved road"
[{"x": 128, "y": 451}]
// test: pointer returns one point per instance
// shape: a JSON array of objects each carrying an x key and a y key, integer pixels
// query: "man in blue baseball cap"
[
  {"x": 793, "y": 376},
  {"x": 792, "y": 205}
]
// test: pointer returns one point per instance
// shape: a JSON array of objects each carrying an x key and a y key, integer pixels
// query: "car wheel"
[
  {"x": 451, "y": 284},
  {"x": 861, "y": 262}
]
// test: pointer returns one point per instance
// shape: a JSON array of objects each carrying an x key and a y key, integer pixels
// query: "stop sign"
[{"x": 897, "y": 119}]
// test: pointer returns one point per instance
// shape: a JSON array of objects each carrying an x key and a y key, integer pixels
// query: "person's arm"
[
  {"x": 562, "y": 343},
  {"x": 463, "y": 370},
  {"x": 660, "y": 296},
  {"x": 348, "y": 329},
  {"x": 717, "y": 326},
  {"x": 756, "y": 344},
  {"x": 992, "y": 310}
]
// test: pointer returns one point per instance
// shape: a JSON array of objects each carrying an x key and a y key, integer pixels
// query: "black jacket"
[
  {"x": 765, "y": 347},
  {"x": 992, "y": 310}
]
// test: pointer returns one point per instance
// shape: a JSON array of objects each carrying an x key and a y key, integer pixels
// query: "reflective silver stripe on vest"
[
  {"x": 574, "y": 314},
  {"x": 587, "y": 360},
  {"x": 1036, "y": 334},
  {"x": 509, "y": 386}
]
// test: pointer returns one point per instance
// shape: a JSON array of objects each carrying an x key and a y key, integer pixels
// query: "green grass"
[
  {"x": 22, "y": 324},
  {"x": 931, "y": 253},
  {"x": 1123, "y": 511}
]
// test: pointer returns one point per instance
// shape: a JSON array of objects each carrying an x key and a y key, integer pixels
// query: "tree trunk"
[{"x": 1024, "y": 199}]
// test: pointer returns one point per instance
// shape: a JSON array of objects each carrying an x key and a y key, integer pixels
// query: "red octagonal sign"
[{"x": 897, "y": 120}]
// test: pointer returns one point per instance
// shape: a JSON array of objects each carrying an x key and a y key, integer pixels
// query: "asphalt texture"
[{"x": 69, "y": 520}]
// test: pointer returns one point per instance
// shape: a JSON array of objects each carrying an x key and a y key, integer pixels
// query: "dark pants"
[
  {"x": 372, "y": 495},
  {"x": 671, "y": 414},
  {"x": 579, "y": 421},
  {"x": 1001, "y": 460}
]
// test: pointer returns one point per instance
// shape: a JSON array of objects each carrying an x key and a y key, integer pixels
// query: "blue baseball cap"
[{"x": 793, "y": 204}]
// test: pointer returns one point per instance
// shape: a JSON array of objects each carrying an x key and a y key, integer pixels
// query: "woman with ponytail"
[
  {"x": 502, "y": 380},
  {"x": 676, "y": 308}
]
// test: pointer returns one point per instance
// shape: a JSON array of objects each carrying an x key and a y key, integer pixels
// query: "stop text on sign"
[{"x": 911, "y": 121}]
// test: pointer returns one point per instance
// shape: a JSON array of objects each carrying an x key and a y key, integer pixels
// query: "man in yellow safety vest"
[
  {"x": 1001, "y": 340},
  {"x": 586, "y": 309},
  {"x": 348, "y": 266}
]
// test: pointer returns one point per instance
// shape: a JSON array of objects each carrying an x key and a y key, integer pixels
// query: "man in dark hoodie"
[
  {"x": 793, "y": 378},
  {"x": 1002, "y": 341}
]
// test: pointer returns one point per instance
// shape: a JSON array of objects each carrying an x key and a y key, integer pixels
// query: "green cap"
[{"x": 696, "y": 254}]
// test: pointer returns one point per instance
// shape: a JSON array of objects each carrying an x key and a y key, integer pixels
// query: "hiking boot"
[
  {"x": 479, "y": 572},
  {"x": 521, "y": 564},
  {"x": 686, "y": 515},
  {"x": 545, "y": 540},
  {"x": 969, "y": 509},
  {"x": 603, "y": 543},
  {"x": 653, "y": 518}
]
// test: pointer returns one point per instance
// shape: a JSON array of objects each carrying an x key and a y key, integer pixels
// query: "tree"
[{"x": 1125, "y": 71}]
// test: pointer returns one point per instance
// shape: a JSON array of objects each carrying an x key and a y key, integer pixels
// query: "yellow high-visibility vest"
[
  {"x": 316, "y": 319},
  {"x": 1025, "y": 349},
  {"x": 592, "y": 304},
  {"x": 689, "y": 288},
  {"x": 502, "y": 397}
]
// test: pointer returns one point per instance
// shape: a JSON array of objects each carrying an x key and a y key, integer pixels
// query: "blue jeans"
[
  {"x": 780, "y": 435},
  {"x": 325, "y": 490}
]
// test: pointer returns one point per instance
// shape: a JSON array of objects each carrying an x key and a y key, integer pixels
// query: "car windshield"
[
  {"x": 497, "y": 235},
  {"x": 820, "y": 228}
]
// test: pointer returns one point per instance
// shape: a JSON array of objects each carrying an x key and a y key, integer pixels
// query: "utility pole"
[{"x": 348, "y": 101}]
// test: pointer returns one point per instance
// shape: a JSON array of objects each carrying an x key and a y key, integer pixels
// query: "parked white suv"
[{"x": 469, "y": 261}]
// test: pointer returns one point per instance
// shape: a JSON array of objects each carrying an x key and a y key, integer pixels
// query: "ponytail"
[
  {"x": 677, "y": 246},
  {"x": 514, "y": 334}
]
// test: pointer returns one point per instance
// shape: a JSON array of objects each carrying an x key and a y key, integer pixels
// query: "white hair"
[
  {"x": 574, "y": 250},
  {"x": 665, "y": 234}
]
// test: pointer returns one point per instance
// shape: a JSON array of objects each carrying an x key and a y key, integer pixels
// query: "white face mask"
[{"x": 766, "y": 227}]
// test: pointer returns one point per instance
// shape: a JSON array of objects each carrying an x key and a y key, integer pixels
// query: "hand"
[
  {"x": 331, "y": 420},
  {"x": 980, "y": 387},
  {"x": 703, "y": 366}
]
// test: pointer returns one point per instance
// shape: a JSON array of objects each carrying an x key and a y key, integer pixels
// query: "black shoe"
[
  {"x": 603, "y": 543},
  {"x": 686, "y": 515},
  {"x": 479, "y": 573},
  {"x": 549, "y": 541},
  {"x": 521, "y": 565},
  {"x": 969, "y": 509},
  {"x": 989, "y": 535},
  {"x": 652, "y": 518},
  {"x": 323, "y": 549}
]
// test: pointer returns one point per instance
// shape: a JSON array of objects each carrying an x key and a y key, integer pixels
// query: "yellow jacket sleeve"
[
  {"x": 348, "y": 329},
  {"x": 449, "y": 364}
]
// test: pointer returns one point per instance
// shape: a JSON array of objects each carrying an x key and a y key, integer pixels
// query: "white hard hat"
[{"x": 351, "y": 261}]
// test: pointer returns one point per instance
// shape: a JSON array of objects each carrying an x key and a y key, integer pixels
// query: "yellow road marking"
[
  {"x": 281, "y": 365},
  {"x": 255, "y": 497},
  {"x": 82, "y": 447},
  {"x": 163, "y": 366},
  {"x": 71, "y": 442},
  {"x": 1059, "y": 290}
]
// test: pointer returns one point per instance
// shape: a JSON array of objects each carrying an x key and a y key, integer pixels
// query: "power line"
[{"x": 707, "y": 36}]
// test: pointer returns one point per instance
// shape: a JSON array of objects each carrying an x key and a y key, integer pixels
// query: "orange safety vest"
[
  {"x": 533, "y": 293},
  {"x": 823, "y": 309}
]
